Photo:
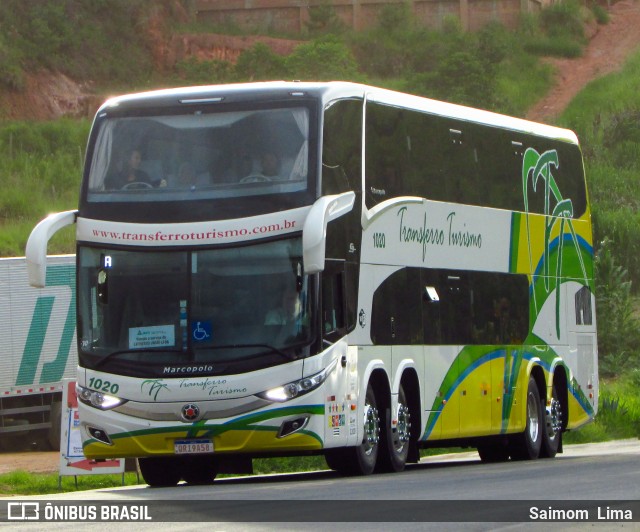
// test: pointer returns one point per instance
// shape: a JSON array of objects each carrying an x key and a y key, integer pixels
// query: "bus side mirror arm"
[
  {"x": 36, "y": 251},
  {"x": 314, "y": 231}
]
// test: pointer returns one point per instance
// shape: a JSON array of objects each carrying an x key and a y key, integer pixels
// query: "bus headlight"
[
  {"x": 99, "y": 400},
  {"x": 297, "y": 388}
]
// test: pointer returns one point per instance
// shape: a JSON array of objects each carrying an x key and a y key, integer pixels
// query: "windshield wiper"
[
  {"x": 115, "y": 354},
  {"x": 288, "y": 356}
]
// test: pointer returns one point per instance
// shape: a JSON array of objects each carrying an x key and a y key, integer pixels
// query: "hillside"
[
  {"x": 50, "y": 95},
  {"x": 606, "y": 52}
]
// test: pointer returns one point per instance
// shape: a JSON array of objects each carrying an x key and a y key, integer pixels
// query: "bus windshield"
[
  {"x": 206, "y": 306},
  {"x": 202, "y": 155}
]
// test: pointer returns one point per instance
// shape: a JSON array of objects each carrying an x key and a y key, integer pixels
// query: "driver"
[
  {"x": 288, "y": 311},
  {"x": 270, "y": 164},
  {"x": 131, "y": 173}
]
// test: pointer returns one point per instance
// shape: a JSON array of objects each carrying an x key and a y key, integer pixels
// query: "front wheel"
[
  {"x": 160, "y": 472},
  {"x": 526, "y": 445},
  {"x": 360, "y": 460},
  {"x": 199, "y": 470}
]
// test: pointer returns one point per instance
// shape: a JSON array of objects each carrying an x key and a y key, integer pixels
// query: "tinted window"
[
  {"x": 342, "y": 172},
  {"x": 342, "y": 147},
  {"x": 397, "y": 310},
  {"x": 185, "y": 164},
  {"x": 439, "y": 158},
  {"x": 213, "y": 155},
  {"x": 451, "y": 307}
]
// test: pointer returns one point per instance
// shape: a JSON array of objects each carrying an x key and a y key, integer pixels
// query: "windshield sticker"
[
  {"x": 201, "y": 331},
  {"x": 154, "y": 336}
]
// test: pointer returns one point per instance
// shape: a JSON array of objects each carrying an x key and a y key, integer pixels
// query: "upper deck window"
[
  {"x": 414, "y": 153},
  {"x": 200, "y": 156}
]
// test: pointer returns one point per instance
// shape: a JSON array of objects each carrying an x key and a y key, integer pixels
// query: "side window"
[
  {"x": 584, "y": 312},
  {"x": 342, "y": 172},
  {"x": 334, "y": 323},
  {"x": 396, "y": 314},
  {"x": 481, "y": 308},
  {"x": 342, "y": 147},
  {"x": 387, "y": 155},
  {"x": 500, "y": 308},
  {"x": 446, "y": 159}
]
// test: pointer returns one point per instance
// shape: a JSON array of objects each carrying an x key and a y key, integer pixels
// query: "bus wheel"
[
  {"x": 360, "y": 460},
  {"x": 396, "y": 440},
  {"x": 367, "y": 451},
  {"x": 552, "y": 427},
  {"x": 160, "y": 472},
  {"x": 199, "y": 470},
  {"x": 526, "y": 445}
]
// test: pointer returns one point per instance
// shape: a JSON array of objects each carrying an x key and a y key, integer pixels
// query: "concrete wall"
[{"x": 290, "y": 16}]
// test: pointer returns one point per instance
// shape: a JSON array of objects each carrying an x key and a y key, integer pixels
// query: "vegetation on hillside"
[
  {"x": 102, "y": 40},
  {"x": 606, "y": 117}
]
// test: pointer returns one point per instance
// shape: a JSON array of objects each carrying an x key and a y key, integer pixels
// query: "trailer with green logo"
[{"x": 37, "y": 351}]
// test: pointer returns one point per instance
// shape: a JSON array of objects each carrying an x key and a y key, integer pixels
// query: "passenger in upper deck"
[
  {"x": 186, "y": 177},
  {"x": 131, "y": 176}
]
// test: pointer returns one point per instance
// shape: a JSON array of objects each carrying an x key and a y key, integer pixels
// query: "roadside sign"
[{"x": 72, "y": 460}]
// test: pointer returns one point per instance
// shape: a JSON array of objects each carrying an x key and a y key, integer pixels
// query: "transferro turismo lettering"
[
  {"x": 211, "y": 386},
  {"x": 452, "y": 235}
]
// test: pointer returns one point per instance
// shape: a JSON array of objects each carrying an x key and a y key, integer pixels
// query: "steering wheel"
[
  {"x": 136, "y": 185},
  {"x": 256, "y": 178}
]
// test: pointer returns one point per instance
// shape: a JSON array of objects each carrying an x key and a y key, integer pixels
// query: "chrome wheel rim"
[
  {"x": 371, "y": 429},
  {"x": 554, "y": 418},
  {"x": 403, "y": 429},
  {"x": 532, "y": 415}
]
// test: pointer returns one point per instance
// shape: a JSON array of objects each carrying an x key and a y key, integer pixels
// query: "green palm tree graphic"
[{"x": 535, "y": 167}]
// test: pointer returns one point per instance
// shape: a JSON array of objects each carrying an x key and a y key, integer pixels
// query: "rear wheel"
[
  {"x": 396, "y": 439},
  {"x": 160, "y": 472},
  {"x": 552, "y": 427},
  {"x": 526, "y": 445}
]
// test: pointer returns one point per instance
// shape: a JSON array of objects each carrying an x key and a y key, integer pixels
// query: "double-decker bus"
[{"x": 326, "y": 268}]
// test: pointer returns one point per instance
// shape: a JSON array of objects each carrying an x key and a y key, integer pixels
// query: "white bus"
[{"x": 326, "y": 268}]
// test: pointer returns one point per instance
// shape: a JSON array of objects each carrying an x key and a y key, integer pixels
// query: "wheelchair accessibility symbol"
[{"x": 201, "y": 331}]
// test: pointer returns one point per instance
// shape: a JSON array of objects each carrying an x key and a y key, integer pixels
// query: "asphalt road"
[{"x": 458, "y": 491}]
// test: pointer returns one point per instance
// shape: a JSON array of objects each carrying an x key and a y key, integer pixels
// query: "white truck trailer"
[{"x": 37, "y": 350}]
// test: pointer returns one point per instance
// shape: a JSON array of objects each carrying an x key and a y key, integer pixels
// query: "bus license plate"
[{"x": 193, "y": 446}]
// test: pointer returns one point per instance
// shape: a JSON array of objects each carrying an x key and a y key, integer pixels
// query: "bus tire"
[
  {"x": 199, "y": 471},
  {"x": 339, "y": 460},
  {"x": 527, "y": 444},
  {"x": 395, "y": 442},
  {"x": 552, "y": 426},
  {"x": 367, "y": 451},
  {"x": 160, "y": 472},
  {"x": 360, "y": 460}
]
